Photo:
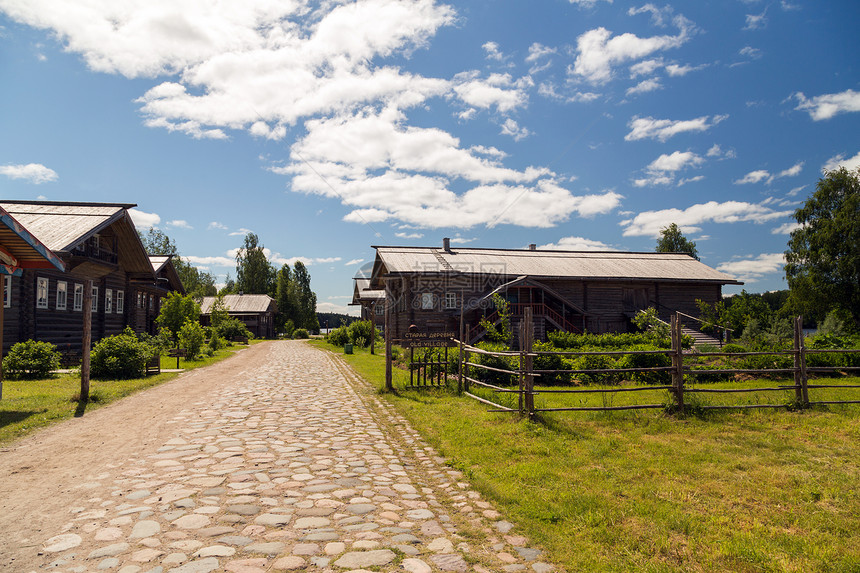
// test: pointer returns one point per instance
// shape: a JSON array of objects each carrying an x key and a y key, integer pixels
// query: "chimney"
[
  {"x": 533, "y": 247},
  {"x": 446, "y": 245}
]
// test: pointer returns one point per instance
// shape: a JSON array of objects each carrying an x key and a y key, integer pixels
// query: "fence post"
[
  {"x": 521, "y": 378},
  {"x": 798, "y": 385},
  {"x": 677, "y": 363},
  {"x": 460, "y": 353},
  {"x": 804, "y": 379},
  {"x": 528, "y": 345}
]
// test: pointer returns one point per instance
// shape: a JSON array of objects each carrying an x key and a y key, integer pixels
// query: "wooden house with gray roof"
[
  {"x": 97, "y": 242},
  {"x": 573, "y": 291},
  {"x": 371, "y": 301},
  {"x": 257, "y": 311}
]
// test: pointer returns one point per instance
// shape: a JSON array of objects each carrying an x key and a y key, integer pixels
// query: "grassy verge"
[
  {"x": 756, "y": 490},
  {"x": 28, "y": 405}
]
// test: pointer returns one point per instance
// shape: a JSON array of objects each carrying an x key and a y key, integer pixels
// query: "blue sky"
[{"x": 328, "y": 127}]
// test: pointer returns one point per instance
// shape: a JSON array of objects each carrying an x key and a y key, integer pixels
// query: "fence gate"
[{"x": 428, "y": 357}]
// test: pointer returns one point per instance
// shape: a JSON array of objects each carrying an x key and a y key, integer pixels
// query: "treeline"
[
  {"x": 255, "y": 274},
  {"x": 334, "y": 319}
]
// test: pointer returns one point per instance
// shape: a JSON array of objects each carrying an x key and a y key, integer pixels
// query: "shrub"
[
  {"x": 121, "y": 356},
  {"x": 360, "y": 332},
  {"x": 215, "y": 342},
  {"x": 550, "y": 362},
  {"x": 233, "y": 328},
  {"x": 191, "y": 338},
  {"x": 646, "y": 361},
  {"x": 594, "y": 362},
  {"x": 339, "y": 336},
  {"x": 733, "y": 348},
  {"x": 31, "y": 359},
  {"x": 499, "y": 362},
  {"x": 300, "y": 333}
]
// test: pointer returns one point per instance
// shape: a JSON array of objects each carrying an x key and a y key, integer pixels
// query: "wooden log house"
[
  {"x": 96, "y": 241},
  {"x": 571, "y": 291},
  {"x": 371, "y": 301},
  {"x": 257, "y": 311}
]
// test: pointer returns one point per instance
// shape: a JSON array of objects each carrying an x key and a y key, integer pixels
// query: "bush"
[
  {"x": 233, "y": 328},
  {"x": 360, "y": 333},
  {"x": 339, "y": 336},
  {"x": 595, "y": 362},
  {"x": 646, "y": 361},
  {"x": 550, "y": 362},
  {"x": 31, "y": 360},
  {"x": 499, "y": 362},
  {"x": 300, "y": 333},
  {"x": 121, "y": 356},
  {"x": 191, "y": 338},
  {"x": 733, "y": 348}
]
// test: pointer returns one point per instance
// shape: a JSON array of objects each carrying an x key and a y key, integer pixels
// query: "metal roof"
[
  {"x": 62, "y": 225},
  {"x": 582, "y": 265},
  {"x": 239, "y": 303}
]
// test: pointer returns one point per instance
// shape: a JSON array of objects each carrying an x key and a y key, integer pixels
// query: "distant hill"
[{"x": 334, "y": 319}]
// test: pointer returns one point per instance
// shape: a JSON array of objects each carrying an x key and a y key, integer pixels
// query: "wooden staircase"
[{"x": 700, "y": 338}]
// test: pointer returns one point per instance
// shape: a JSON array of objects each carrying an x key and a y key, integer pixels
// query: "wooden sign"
[{"x": 415, "y": 338}]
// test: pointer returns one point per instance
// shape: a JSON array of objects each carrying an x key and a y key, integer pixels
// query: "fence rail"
[{"x": 524, "y": 375}]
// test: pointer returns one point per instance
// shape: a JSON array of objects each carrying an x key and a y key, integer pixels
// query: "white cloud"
[
  {"x": 663, "y": 129},
  {"x": 717, "y": 152},
  {"x": 753, "y": 269},
  {"x": 645, "y": 67},
  {"x": 598, "y": 51},
  {"x": 851, "y": 164},
  {"x": 765, "y": 175},
  {"x": 682, "y": 182},
  {"x": 750, "y": 52},
  {"x": 586, "y": 3},
  {"x": 499, "y": 90},
  {"x": 215, "y": 225},
  {"x": 212, "y": 261},
  {"x": 756, "y": 21},
  {"x": 785, "y": 228},
  {"x": 645, "y": 86},
  {"x": 409, "y": 235},
  {"x": 676, "y": 70},
  {"x": 649, "y": 223},
  {"x": 512, "y": 128},
  {"x": 828, "y": 105},
  {"x": 143, "y": 220},
  {"x": 179, "y": 224},
  {"x": 337, "y": 309},
  {"x": 577, "y": 244},
  {"x": 493, "y": 52},
  {"x": 538, "y": 51},
  {"x": 658, "y": 15},
  {"x": 34, "y": 173},
  {"x": 353, "y": 262},
  {"x": 662, "y": 170},
  {"x": 240, "y": 233}
]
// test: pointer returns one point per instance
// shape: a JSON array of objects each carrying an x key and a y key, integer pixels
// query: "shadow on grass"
[{"x": 13, "y": 417}]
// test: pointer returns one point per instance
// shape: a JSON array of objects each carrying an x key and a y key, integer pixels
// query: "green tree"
[
  {"x": 822, "y": 263},
  {"x": 156, "y": 242},
  {"x": 673, "y": 241},
  {"x": 501, "y": 333},
  {"x": 175, "y": 310},
  {"x": 306, "y": 299},
  {"x": 254, "y": 273},
  {"x": 219, "y": 313},
  {"x": 285, "y": 296},
  {"x": 197, "y": 283}
]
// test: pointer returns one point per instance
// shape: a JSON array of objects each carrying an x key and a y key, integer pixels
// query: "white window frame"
[
  {"x": 42, "y": 288},
  {"x": 450, "y": 300},
  {"x": 78, "y": 300},
  {"x": 120, "y": 301},
  {"x": 380, "y": 309},
  {"x": 428, "y": 301},
  {"x": 7, "y": 291},
  {"x": 108, "y": 301},
  {"x": 95, "y": 304},
  {"x": 62, "y": 295}
]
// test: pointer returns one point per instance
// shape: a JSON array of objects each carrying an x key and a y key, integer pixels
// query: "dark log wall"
[{"x": 608, "y": 304}]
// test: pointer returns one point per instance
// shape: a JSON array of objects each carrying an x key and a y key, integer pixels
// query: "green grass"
[
  {"x": 28, "y": 405},
  {"x": 752, "y": 490}
]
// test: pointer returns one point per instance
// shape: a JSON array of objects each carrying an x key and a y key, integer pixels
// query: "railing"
[
  {"x": 525, "y": 375},
  {"x": 97, "y": 253},
  {"x": 538, "y": 309}
]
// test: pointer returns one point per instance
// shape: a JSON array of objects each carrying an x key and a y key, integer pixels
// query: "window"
[
  {"x": 108, "y": 300},
  {"x": 450, "y": 300},
  {"x": 380, "y": 309},
  {"x": 120, "y": 301},
  {"x": 79, "y": 297},
  {"x": 151, "y": 303},
  {"x": 7, "y": 291},
  {"x": 41, "y": 293},
  {"x": 139, "y": 300},
  {"x": 95, "y": 305},
  {"x": 427, "y": 300},
  {"x": 62, "y": 293}
]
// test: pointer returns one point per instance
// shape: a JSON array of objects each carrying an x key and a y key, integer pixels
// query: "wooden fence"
[{"x": 525, "y": 375}]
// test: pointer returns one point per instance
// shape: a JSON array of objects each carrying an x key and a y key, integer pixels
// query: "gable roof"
[
  {"x": 21, "y": 245},
  {"x": 241, "y": 303},
  {"x": 580, "y": 265},
  {"x": 63, "y": 225},
  {"x": 162, "y": 266},
  {"x": 363, "y": 293}
]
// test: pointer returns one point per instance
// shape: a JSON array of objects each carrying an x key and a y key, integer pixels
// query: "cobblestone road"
[{"x": 297, "y": 466}]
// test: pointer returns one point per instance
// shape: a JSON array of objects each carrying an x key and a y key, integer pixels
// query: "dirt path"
[{"x": 278, "y": 459}]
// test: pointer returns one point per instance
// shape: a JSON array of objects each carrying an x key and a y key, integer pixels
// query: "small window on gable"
[
  {"x": 380, "y": 309},
  {"x": 41, "y": 293},
  {"x": 450, "y": 300},
  {"x": 79, "y": 297},
  {"x": 427, "y": 300},
  {"x": 62, "y": 294},
  {"x": 120, "y": 301}
]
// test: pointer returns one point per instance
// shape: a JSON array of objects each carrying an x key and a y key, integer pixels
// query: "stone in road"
[{"x": 294, "y": 466}]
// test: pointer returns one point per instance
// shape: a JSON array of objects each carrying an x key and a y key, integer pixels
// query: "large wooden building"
[
  {"x": 574, "y": 291},
  {"x": 97, "y": 242},
  {"x": 257, "y": 311}
]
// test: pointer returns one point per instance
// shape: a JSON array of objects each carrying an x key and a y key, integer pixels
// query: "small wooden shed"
[{"x": 257, "y": 311}]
